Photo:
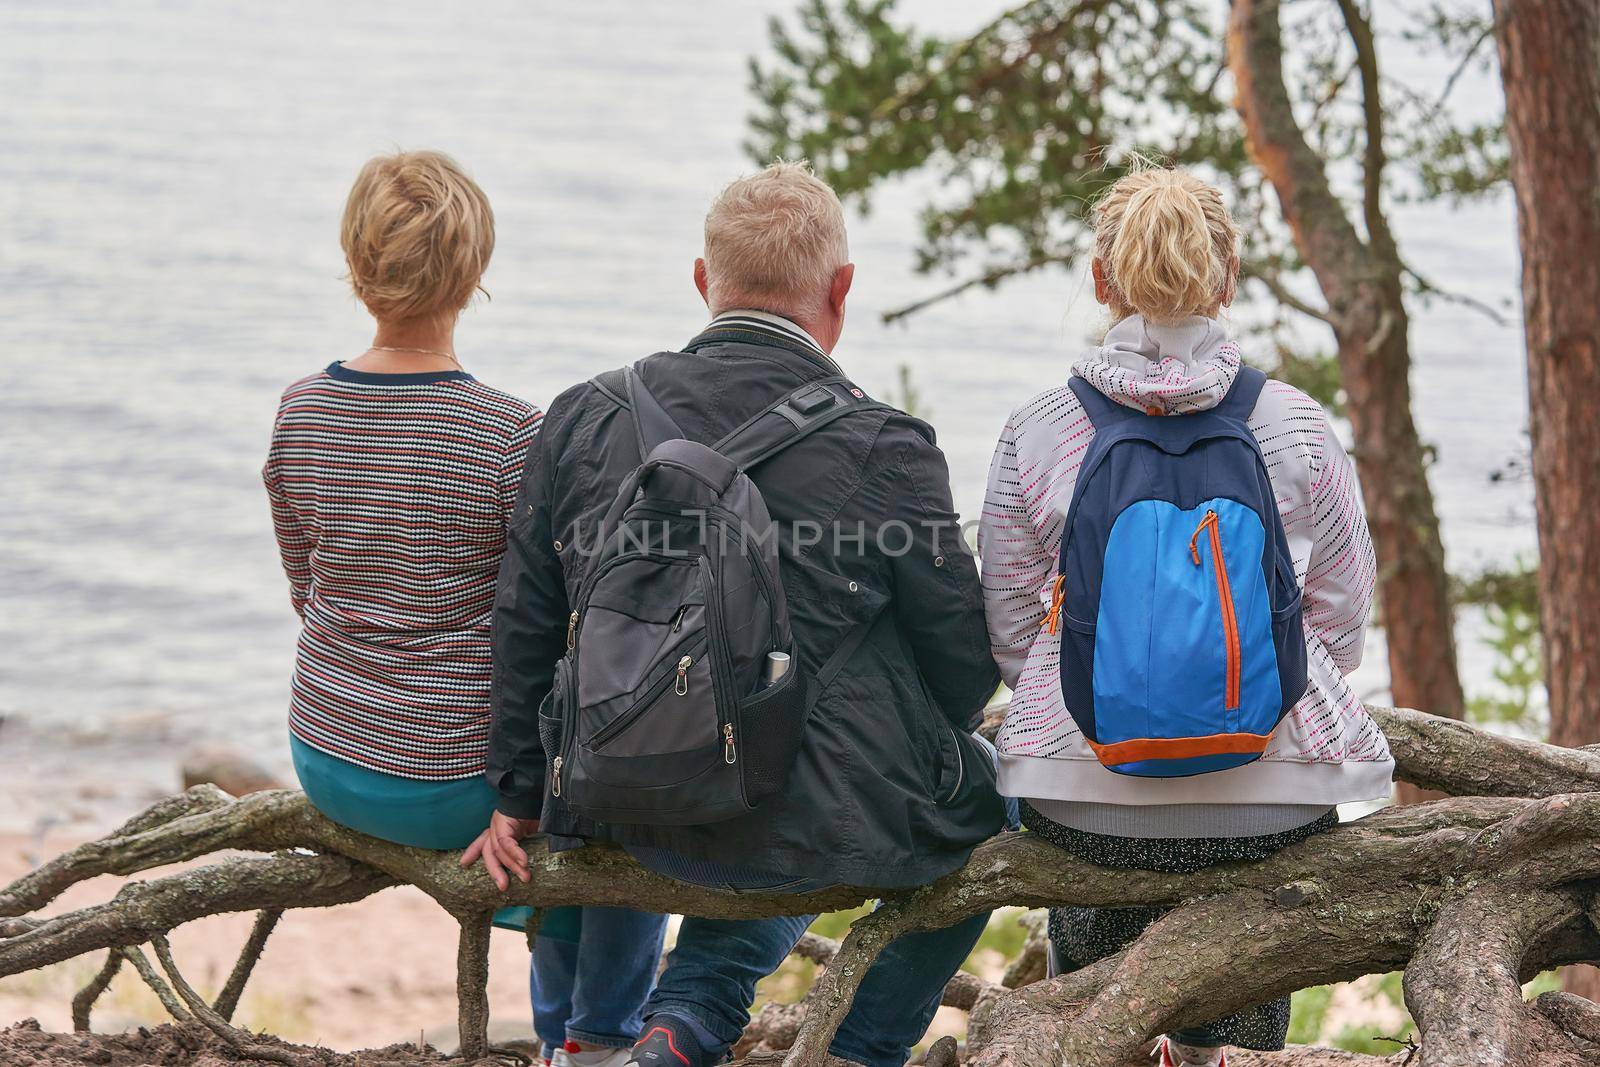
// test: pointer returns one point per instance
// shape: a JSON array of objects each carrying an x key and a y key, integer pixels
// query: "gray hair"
[{"x": 774, "y": 239}]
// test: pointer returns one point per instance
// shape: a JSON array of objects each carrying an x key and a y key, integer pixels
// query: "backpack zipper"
[
  {"x": 759, "y": 573},
  {"x": 555, "y": 777},
  {"x": 717, "y": 649},
  {"x": 729, "y": 755},
  {"x": 1230, "y": 620},
  {"x": 675, "y": 678}
]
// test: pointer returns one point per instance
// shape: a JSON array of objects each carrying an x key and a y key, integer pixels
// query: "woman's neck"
[{"x": 425, "y": 344}]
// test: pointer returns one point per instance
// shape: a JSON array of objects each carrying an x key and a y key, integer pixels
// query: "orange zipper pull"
[
  {"x": 1052, "y": 621},
  {"x": 1194, "y": 540}
]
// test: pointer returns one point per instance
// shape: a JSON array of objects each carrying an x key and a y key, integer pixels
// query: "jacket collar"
[{"x": 764, "y": 328}]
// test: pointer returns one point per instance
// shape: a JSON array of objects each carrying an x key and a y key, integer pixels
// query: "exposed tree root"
[
  {"x": 1469, "y": 894},
  {"x": 228, "y": 999}
]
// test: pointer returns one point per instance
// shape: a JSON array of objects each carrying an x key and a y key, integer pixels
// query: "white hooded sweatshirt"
[{"x": 1327, "y": 750}]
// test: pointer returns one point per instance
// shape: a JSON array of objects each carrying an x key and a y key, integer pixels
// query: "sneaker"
[
  {"x": 663, "y": 1045},
  {"x": 575, "y": 1055},
  {"x": 1174, "y": 1054}
]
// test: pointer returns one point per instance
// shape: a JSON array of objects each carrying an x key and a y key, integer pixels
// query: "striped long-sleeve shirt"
[
  {"x": 1173, "y": 370},
  {"x": 390, "y": 497}
]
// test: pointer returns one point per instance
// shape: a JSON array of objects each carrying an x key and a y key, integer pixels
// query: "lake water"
[{"x": 171, "y": 178}]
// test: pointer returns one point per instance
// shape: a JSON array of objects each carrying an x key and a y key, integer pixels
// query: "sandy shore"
[{"x": 360, "y": 975}]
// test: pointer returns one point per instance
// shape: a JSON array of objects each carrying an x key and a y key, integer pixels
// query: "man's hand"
[{"x": 499, "y": 848}]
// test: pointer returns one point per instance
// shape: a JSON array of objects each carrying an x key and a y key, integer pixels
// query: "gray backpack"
[{"x": 665, "y": 709}]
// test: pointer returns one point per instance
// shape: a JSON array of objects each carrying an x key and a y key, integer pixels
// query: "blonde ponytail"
[{"x": 1166, "y": 242}]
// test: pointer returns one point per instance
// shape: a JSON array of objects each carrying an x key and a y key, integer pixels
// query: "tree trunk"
[
  {"x": 1361, "y": 280},
  {"x": 1550, "y": 67},
  {"x": 1413, "y": 586}
]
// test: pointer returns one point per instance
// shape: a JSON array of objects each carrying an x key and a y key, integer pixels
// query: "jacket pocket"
[
  {"x": 952, "y": 767},
  {"x": 966, "y": 764}
]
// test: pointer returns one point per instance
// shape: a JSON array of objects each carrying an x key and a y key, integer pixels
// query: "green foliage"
[
  {"x": 1516, "y": 586},
  {"x": 1308, "y": 1008},
  {"x": 1002, "y": 938},
  {"x": 1391, "y": 1026},
  {"x": 1463, "y": 164},
  {"x": 1379, "y": 1040},
  {"x": 1452, "y": 161},
  {"x": 1371, "y": 1040},
  {"x": 1025, "y": 121},
  {"x": 1510, "y": 600},
  {"x": 1543, "y": 982},
  {"x": 1518, "y": 669},
  {"x": 835, "y": 924},
  {"x": 1316, "y": 374}
]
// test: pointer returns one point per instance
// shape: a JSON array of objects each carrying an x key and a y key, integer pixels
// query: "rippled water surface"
[{"x": 171, "y": 176}]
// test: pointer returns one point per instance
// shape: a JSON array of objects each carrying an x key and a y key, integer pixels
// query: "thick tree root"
[{"x": 1469, "y": 895}]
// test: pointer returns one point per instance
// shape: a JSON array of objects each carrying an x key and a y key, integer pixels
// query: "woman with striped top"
[
  {"x": 1165, "y": 264},
  {"x": 392, "y": 477}
]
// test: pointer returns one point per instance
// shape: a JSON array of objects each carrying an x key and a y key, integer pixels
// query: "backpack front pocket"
[
  {"x": 1184, "y": 678},
  {"x": 639, "y": 612},
  {"x": 678, "y": 703},
  {"x": 655, "y": 737},
  {"x": 1227, "y": 611}
]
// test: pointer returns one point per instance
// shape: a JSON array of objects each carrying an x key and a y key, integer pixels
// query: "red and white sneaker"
[
  {"x": 575, "y": 1055},
  {"x": 1173, "y": 1054}
]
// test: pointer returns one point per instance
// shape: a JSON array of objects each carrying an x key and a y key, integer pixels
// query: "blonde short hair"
[
  {"x": 417, "y": 236},
  {"x": 776, "y": 239},
  {"x": 1166, "y": 242}
]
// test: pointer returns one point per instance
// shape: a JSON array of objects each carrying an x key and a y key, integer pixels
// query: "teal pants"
[
  {"x": 592, "y": 967},
  {"x": 444, "y": 816}
]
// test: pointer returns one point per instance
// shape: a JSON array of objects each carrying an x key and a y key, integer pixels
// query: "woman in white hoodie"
[{"x": 1165, "y": 265}]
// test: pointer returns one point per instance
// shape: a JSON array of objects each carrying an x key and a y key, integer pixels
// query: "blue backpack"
[{"x": 1183, "y": 647}]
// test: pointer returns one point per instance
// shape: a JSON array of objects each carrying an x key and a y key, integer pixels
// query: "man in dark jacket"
[{"x": 891, "y": 788}]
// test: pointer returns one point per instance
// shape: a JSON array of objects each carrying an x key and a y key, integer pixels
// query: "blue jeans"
[
  {"x": 711, "y": 980},
  {"x": 592, "y": 967},
  {"x": 712, "y": 973},
  {"x": 592, "y": 970}
]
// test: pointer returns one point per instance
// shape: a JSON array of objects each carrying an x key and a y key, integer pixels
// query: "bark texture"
[
  {"x": 1470, "y": 895},
  {"x": 1361, "y": 279},
  {"x": 1550, "y": 67}
]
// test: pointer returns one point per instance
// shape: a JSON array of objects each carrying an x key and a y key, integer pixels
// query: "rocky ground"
[{"x": 27, "y": 1045}]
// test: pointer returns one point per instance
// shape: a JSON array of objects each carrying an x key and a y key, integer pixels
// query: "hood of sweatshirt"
[{"x": 1166, "y": 370}]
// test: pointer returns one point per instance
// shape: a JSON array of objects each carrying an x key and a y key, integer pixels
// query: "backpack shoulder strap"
[
  {"x": 651, "y": 424},
  {"x": 1242, "y": 395},
  {"x": 1101, "y": 409},
  {"x": 792, "y": 418},
  {"x": 654, "y": 424},
  {"x": 613, "y": 385}
]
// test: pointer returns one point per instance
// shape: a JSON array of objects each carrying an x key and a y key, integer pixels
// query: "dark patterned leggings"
[{"x": 1080, "y": 936}]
